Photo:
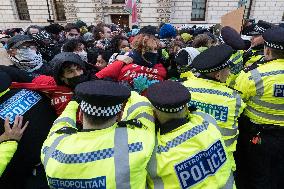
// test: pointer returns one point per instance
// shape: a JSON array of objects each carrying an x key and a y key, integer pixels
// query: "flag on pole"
[
  {"x": 131, "y": 8},
  {"x": 134, "y": 13},
  {"x": 128, "y": 6}
]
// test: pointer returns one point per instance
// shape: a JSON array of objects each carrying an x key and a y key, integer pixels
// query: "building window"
[
  {"x": 198, "y": 10},
  {"x": 22, "y": 9},
  {"x": 59, "y": 10},
  {"x": 118, "y": 1}
]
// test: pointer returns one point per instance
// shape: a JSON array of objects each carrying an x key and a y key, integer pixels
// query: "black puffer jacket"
[{"x": 40, "y": 115}]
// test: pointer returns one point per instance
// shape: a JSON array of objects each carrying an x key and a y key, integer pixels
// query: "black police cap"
[
  {"x": 262, "y": 26},
  {"x": 5, "y": 81},
  {"x": 274, "y": 38},
  {"x": 232, "y": 38},
  {"x": 213, "y": 59},
  {"x": 18, "y": 40},
  {"x": 248, "y": 30},
  {"x": 101, "y": 98},
  {"x": 168, "y": 96},
  {"x": 259, "y": 28}
]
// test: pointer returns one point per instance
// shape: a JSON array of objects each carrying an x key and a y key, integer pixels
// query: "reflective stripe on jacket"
[
  {"x": 191, "y": 156},
  {"x": 223, "y": 103},
  {"x": 115, "y": 157},
  {"x": 263, "y": 90}
]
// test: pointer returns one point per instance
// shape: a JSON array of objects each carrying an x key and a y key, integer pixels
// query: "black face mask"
[
  {"x": 152, "y": 58},
  {"x": 74, "y": 81}
]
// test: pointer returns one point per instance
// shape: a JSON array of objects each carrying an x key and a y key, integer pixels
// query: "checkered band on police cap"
[
  {"x": 213, "y": 59},
  {"x": 274, "y": 45},
  {"x": 259, "y": 29},
  {"x": 274, "y": 38},
  {"x": 97, "y": 111},
  {"x": 170, "y": 110},
  {"x": 220, "y": 67}
]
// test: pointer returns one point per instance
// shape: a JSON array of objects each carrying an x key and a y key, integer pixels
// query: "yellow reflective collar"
[{"x": 4, "y": 92}]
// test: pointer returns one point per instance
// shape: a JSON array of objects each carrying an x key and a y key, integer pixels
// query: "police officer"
[
  {"x": 24, "y": 168},
  {"x": 231, "y": 37},
  {"x": 255, "y": 52},
  {"x": 106, "y": 153},
  {"x": 9, "y": 141},
  {"x": 210, "y": 94},
  {"x": 261, "y": 135},
  {"x": 189, "y": 152}
]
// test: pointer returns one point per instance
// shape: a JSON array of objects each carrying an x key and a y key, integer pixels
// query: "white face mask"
[
  {"x": 27, "y": 59},
  {"x": 83, "y": 55},
  {"x": 69, "y": 37}
]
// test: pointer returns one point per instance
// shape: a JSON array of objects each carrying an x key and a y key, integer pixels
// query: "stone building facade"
[{"x": 21, "y": 13}]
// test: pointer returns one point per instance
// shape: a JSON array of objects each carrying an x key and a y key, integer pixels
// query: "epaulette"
[
  {"x": 251, "y": 67},
  {"x": 181, "y": 80},
  {"x": 256, "y": 53},
  {"x": 131, "y": 123},
  {"x": 67, "y": 130}
]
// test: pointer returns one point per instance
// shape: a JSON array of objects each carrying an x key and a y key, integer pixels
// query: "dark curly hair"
[
  {"x": 72, "y": 44},
  {"x": 54, "y": 28},
  {"x": 71, "y": 26},
  {"x": 95, "y": 52},
  {"x": 116, "y": 42}
]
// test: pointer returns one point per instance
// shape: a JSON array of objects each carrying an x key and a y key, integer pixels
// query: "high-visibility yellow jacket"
[
  {"x": 262, "y": 89},
  {"x": 223, "y": 103},
  {"x": 7, "y": 150},
  {"x": 191, "y": 156},
  {"x": 255, "y": 55},
  {"x": 115, "y": 157},
  {"x": 235, "y": 68}
]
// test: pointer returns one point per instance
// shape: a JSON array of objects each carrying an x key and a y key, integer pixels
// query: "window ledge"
[{"x": 203, "y": 22}]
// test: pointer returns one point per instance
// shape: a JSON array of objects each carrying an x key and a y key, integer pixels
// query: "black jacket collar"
[{"x": 171, "y": 125}]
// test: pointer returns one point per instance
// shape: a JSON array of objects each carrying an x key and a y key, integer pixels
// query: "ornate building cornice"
[
  {"x": 164, "y": 11},
  {"x": 114, "y": 9},
  {"x": 98, "y": 4},
  {"x": 70, "y": 10}
]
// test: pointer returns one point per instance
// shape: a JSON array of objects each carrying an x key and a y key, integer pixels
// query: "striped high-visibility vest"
[
  {"x": 235, "y": 68},
  {"x": 255, "y": 55},
  {"x": 115, "y": 157},
  {"x": 223, "y": 103},
  {"x": 191, "y": 156},
  {"x": 263, "y": 91}
]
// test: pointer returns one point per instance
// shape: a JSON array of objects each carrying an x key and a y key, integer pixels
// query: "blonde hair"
[{"x": 145, "y": 43}]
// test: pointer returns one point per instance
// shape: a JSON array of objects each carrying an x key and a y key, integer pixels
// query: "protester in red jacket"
[
  {"x": 145, "y": 62},
  {"x": 68, "y": 71},
  {"x": 59, "y": 95}
]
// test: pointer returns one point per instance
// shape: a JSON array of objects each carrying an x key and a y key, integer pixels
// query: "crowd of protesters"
[{"x": 43, "y": 65}]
